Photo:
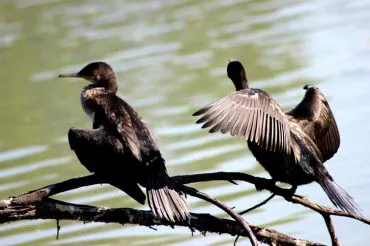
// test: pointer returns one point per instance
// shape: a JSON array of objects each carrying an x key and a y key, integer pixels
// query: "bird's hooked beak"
[{"x": 69, "y": 75}]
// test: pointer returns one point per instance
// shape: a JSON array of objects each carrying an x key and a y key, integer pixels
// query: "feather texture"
[
  {"x": 250, "y": 114},
  {"x": 315, "y": 118}
]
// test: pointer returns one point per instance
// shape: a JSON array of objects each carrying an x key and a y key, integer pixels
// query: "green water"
[{"x": 171, "y": 58}]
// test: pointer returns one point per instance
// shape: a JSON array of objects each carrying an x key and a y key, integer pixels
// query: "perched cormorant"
[
  {"x": 120, "y": 148},
  {"x": 292, "y": 146}
]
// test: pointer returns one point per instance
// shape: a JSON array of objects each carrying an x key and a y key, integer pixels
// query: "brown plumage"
[
  {"x": 316, "y": 119},
  {"x": 250, "y": 114},
  {"x": 292, "y": 146},
  {"x": 120, "y": 148}
]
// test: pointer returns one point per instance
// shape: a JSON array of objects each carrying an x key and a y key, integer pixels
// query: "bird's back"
[{"x": 119, "y": 118}]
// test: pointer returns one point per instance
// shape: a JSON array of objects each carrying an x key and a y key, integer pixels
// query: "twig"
[
  {"x": 258, "y": 205},
  {"x": 223, "y": 206},
  {"x": 329, "y": 225},
  {"x": 58, "y": 229},
  {"x": 236, "y": 240}
]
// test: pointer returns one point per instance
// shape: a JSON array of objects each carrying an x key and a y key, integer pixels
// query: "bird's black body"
[
  {"x": 101, "y": 153},
  {"x": 292, "y": 146},
  {"x": 120, "y": 148}
]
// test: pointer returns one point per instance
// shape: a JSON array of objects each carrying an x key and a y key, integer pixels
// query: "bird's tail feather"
[
  {"x": 165, "y": 201},
  {"x": 340, "y": 198}
]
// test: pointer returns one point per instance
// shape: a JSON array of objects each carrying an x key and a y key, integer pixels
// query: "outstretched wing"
[
  {"x": 316, "y": 119},
  {"x": 251, "y": 114},
  {"x": 113, "y": 114}
]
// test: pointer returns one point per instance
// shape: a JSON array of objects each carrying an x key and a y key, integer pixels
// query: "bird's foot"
[
  {"x": 291, "y": 191},
  {"x": 266, "y": 183}
]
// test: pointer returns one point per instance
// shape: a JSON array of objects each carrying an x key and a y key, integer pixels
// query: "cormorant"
[
  {"x": 120, "y": 148},
  {"x": 292, "y": 146}
]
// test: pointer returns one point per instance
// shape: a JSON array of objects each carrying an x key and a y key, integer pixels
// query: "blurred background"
[{"x": 171, "y": 58}]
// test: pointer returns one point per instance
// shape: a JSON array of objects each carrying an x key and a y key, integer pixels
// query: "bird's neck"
[
  {"x": 102, "y": 87},
  {"x": 87, "y": 97},
  {"x": 94, "y": 90},
  {"x": 240, "y": 83},
  {"x": 110, "y": 86},
  {"x": 239, "y": 78}
]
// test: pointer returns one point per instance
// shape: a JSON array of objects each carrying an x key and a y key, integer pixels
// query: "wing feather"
[
  {"x": 112, "y": 113},
  {"x": 243, "y": 123},
  {"x": 250, "y": 114},
  {"x": 268, "y": 132},
  {"x": 236, "y": 127},
  {"x": 314, "y": 116},
  {"x": 253, "y": 122},
  {"x": 273, "y": 134},
  {"x": 263, "y": 126}
]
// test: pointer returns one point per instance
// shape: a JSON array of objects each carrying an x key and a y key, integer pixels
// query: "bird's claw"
[{"x": 263, "y": 185}]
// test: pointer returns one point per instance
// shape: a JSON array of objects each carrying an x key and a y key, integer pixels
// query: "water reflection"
[{"x": 171, "y": 59}]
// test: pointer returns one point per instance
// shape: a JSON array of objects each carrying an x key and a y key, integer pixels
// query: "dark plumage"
[
  {"x": 120, "y": 148},
  {"x": 292, "y": 146}
]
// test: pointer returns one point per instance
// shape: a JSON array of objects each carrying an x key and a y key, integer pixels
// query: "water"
[{"x": 171, "y": 58}]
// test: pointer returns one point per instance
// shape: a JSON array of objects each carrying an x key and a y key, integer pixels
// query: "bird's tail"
[
  {"x": 165, "y": 201},
  {"x": 339, "y": 197}
]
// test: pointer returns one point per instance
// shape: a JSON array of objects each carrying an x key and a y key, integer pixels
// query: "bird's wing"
[
  {"x": 101, "y": 153},
  {"x": 316, "y": 119},
  {"x": 112, "y": 113},
  {"x": 251, "y": 114}
]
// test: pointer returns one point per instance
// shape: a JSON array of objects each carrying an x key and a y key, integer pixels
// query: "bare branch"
[
  {"x": 53, "y": 189},
  {"x": 36, "y": 204},
  {"x": 258, "y": 205},
  {"x": 58, "y": 229},
  {"x": 329, "y": 225},
  {"x": 236, "y": 240},
  {"x": 223, "y": 206},
  {"x": 266, "y": 184},
  {"x": 54, "y": 209}
]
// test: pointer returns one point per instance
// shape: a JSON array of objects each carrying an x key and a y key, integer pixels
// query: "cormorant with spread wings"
[{"x": 292, "y": 146}]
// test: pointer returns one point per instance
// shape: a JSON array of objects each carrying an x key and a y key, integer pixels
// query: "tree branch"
[
  {"x": 53, "y": 189},
  {"x": 266, "y": 184},
  {"x": 54, "y": 209},
  {"x": 329, "y": 225},
  {"x": 38, "y": 195},
  {"x": 28, "y": 205}
]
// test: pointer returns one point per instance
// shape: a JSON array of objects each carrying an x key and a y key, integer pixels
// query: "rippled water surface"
[{"x": 171, "y": 58}]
